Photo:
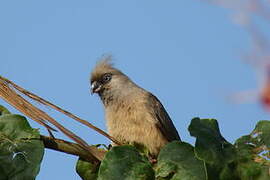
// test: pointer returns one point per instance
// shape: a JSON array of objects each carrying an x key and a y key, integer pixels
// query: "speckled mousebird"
[{"x": 133, "y": 115}]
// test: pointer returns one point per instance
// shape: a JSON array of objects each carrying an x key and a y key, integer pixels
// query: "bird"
[{"x": 133, "y": 115}]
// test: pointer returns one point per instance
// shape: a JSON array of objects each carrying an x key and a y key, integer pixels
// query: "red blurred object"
[
  {"x": 265, "y": 92},
  {"x": 265, "y": 98},
  {"x": 253, "y": 16}
]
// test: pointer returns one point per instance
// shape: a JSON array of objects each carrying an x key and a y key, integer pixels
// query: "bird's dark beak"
[{"x": 95, "y": 87}]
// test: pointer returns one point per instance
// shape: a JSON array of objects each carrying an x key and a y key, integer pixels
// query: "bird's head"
[{"x": 105, "y": 78}]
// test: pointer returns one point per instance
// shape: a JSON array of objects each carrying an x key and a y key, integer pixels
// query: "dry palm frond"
[{"x": 8, "y": 91}]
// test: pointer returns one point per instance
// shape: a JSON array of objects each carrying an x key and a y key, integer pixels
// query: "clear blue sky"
[{"x": 185, "y": 52}]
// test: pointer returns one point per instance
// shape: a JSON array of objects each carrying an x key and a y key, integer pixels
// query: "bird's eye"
[{"x": 106, "y": 77}]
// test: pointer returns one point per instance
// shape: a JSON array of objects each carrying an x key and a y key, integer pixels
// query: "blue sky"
[{"x": 185, "y": 52}]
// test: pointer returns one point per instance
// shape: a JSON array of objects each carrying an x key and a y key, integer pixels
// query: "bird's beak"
[{"x": 95, "y": 87}]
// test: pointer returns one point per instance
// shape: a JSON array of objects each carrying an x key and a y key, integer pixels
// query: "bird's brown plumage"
[{"x": 133, "y": 114}]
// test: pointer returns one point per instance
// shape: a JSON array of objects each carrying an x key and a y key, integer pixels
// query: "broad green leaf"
[
  {"x": 87, "y": 170},
  {"x": 227, "y": 173},
  {"x": 125, "y": 163},
  {"x": 244, "y": 148},
  {"x": 3, "y": 110},
  {"x": 265, "y": 173},
  {"x": 211, "y": 147},
  {"x": 248, "y": 169},
  {"x": 251, "y": 147},
  {"x": 262, "y": 132},
  {"x": 20, "y": 157},
  {"x": 177, "y": 161}
]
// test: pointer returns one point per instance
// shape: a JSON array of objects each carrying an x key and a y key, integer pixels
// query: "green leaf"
[
  {"x": 262, "y": 133},
  {"x": 251, "y": 147},
  {"x": 21, "y": 151},
  {"x": 177, "y": 161},
  {"x": 3, "y": 110},
  {"x": 228, "y": 173},
  {"x": 211, "y": 147},
  {"x": 265, "y": 174},
  {"x": 125, "y": 162},
  {"x": 87, "y": 170},
  {"x": 248, "y": 169},
  {"x": 244, "y": 148}
]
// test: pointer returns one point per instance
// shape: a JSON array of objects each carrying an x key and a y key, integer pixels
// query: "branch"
[
  {"x": 13, "y": 98},
  {"x": 94, "y": 155},
  {"x": 8, "y": 92}
]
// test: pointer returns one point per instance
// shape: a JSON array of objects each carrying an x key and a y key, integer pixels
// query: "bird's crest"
[{"x": 103, "y": 66}]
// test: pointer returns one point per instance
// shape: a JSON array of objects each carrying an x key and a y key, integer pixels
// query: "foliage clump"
[{"x": 211, "y": 158}]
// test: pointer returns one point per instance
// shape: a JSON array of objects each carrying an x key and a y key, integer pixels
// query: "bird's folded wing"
[{"x": 161, "y": 117}]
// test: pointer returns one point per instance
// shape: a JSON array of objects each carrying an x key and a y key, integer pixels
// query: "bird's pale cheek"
[{"x": 95, "y": 87}]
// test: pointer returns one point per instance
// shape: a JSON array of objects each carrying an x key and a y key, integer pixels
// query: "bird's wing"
[{"x": 162, "y": 119}]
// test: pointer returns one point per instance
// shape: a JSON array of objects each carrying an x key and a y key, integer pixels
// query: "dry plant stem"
[
  {"x": 47, "y": 103},
  {"x": 10, "y": 96},
  {"x": 95, "y": 156}
]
